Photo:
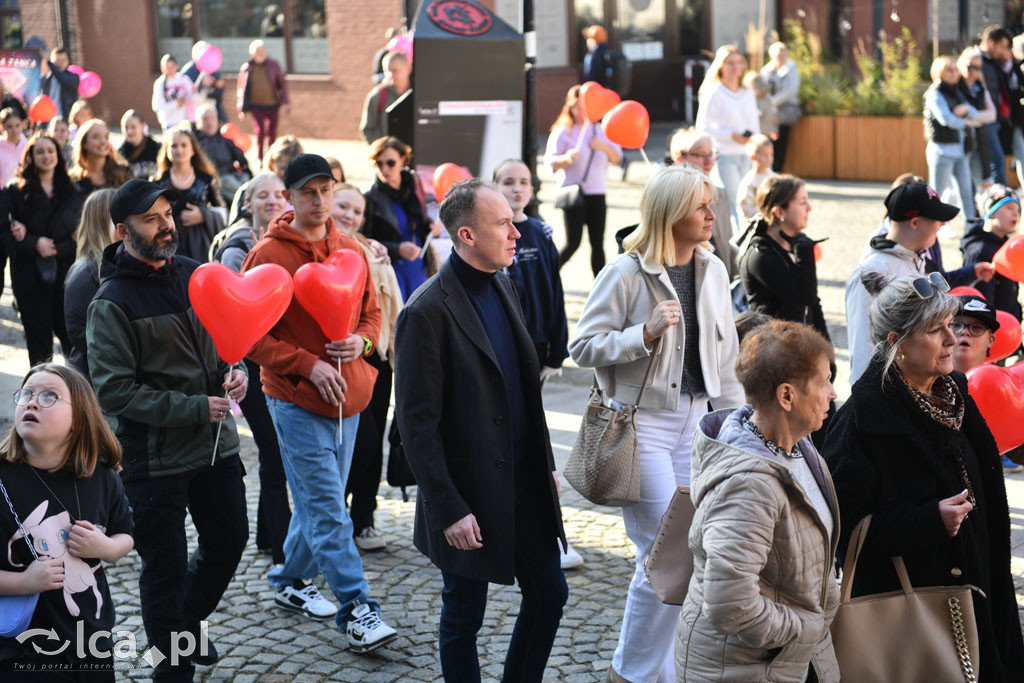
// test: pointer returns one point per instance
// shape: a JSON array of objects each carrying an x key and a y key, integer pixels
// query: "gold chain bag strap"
[
  {"x": 603, "y": 465},
  {"x": 911, "y": 634}
]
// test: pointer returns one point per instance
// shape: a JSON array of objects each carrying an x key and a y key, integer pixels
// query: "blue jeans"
[
  {"x": 542, "y": 583},
  {"x": 320, "y": 534},
  {"x": 944, "y": 171},
  {"x": 996, "y": 153}
]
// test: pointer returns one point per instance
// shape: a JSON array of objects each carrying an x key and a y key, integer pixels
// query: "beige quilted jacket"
[{"x": 763, "y": 592}]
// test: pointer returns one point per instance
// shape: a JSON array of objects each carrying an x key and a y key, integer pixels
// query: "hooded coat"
[{"x": 763, "y": 591}]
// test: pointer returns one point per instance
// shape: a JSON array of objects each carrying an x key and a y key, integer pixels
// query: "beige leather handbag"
[
  {"x": 669, "y": 565},
  {"x": 913, "y": 635}
]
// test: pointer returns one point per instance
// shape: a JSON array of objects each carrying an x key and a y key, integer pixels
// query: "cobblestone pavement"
[{"x": 258, "y": 642}]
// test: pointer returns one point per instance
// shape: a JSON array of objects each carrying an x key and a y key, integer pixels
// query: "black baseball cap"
[
  {"x": 913, "y": 200},
  {"x": 304, "y": 168},
  {"x": 136, "y": 196},
  {"x": 979, "y": 309}
]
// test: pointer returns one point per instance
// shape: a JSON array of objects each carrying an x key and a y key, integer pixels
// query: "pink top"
[{"x": 10, "y": 159}]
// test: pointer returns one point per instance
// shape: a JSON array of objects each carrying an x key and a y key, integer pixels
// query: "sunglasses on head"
[
  {"x": 388, "y": 163},
  {"x": 925, "y": 286}
]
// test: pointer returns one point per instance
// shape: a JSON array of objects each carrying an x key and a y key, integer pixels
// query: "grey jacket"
[
  {"x": 610, "y": 339},
  {"x": 763, "y": 592}
]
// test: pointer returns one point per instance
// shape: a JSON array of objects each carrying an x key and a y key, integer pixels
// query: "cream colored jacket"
[
  {"x": 610, "y": 338},
  {"x": 763, "y": 591}
]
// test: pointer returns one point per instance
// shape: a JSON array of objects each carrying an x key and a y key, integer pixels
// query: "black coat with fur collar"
[{"x": 892, "y": 461}]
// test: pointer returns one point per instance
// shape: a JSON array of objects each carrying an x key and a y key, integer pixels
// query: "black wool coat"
[
  {"x": 452, "y": 411},
  {"x": 892, "y": 461}
]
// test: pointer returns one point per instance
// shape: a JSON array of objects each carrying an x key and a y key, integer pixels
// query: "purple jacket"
[{"x": 276, "y": 75}]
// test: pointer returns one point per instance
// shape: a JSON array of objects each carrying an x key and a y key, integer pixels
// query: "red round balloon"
[
  {"x": 1009, "y": 260},
  {"x": 232, "y": 132},
  {"x": 817, "y": 253},
  {"x": 445, "y": 176},
  {"x": 999, "y": 393},
  {"x": 597, "y": 101},
  {"x": 332, "y": 291},
  {"x": 42, "y": 110},
  {"x": 627, "y": 124},
  {"x": 1008, "y": 337},
  {"x": 237, "y": 309},
  {"x": 965, "y": 291}
]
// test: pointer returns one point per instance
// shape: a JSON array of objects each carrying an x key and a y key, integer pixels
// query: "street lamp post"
[{"x": 530, "y": 101}]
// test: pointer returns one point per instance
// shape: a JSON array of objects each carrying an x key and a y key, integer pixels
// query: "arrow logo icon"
[
  {"x": 153, "y": 657},
  {"x": 33, "y": 632}
]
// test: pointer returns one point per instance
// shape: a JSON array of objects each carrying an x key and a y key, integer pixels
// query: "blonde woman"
[
  {"x": 646, "y": 302},
  {"x": 946, "y": 117},
  {"x": 728, "y": 113},
  {"x": 95, "y": 233}
]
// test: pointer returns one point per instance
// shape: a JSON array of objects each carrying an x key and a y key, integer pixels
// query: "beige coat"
[
  {"x": 610, "y": 337},
  {"x": 763, "y": 592},
  {"x": 389, "y": 296}
]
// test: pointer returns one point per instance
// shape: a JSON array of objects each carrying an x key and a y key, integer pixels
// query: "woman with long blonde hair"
[
  {"x": 728, "y": 113},
  {"x": 95, "y": 233},
  {"x": 96, "y": 163},
  {"x": 664, "y": 303}
]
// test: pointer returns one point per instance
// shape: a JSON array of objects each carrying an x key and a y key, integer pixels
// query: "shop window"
[
  {"x": 232, "y": 24},
  {"x": 642, "y": 29},
  {"x": 691, "y": 16}
]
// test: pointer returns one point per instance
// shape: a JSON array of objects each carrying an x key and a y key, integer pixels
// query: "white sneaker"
[
  {"x": 304, "y": 598},
  {"x": 370, "y": 539},
  {"x": 570, "y": 558},
  {"x": 366, "y": 632}
]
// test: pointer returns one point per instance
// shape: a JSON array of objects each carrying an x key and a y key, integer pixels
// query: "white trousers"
[{"x": 664, "y": 438}]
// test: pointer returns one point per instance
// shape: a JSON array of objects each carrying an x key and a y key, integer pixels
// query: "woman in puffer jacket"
[{"x": 764, "y": 534}]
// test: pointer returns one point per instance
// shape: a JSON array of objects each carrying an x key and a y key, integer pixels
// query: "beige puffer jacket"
[{"x": 763, "y": 592}]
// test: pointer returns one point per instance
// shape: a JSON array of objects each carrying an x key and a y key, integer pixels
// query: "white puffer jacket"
[{"x": 763, "y": 592}]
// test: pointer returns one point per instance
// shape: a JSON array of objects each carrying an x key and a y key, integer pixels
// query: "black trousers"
[
  {"x": 368, "y": 456},
  {"x": 542, "y": 583},
  {"x": 41, "y": 307},
  {"x": 592, "y": 214},
  {"x": 176, "y": 592},
  {"x": 780, "y": 148},
  {"x": 273, "y": 514}
]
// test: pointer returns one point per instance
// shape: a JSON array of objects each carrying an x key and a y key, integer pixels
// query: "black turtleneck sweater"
[{"x": 484, "y": 296}]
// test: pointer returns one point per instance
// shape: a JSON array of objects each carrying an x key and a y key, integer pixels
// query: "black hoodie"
[{"x": 979, "y": 244}]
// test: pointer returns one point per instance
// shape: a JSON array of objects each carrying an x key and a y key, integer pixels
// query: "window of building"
[
  {"x": 10, "y": 24},
  {"x": 295, "y": 31},
  {"x": 642, "y": 29}
]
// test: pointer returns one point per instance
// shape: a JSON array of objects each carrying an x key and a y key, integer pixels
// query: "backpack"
[
  {"x": 618, "y": 72},
  {"x": 233, "y": 236}
]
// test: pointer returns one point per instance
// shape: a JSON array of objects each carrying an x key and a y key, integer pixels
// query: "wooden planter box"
[{"x": 856, "y": 147}]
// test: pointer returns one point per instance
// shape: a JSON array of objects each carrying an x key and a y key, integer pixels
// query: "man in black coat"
[{"x": 469, "y": 410}]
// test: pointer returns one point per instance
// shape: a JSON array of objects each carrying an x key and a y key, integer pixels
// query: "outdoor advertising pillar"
[{"x": 468, "y": 94}]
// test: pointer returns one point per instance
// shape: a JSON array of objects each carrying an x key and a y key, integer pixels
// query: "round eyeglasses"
[
  {"x": 45, "y": 398},
  {"x": 973, "y": 329}
]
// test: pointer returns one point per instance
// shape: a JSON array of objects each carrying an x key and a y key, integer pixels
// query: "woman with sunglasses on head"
[
  {"x": 911, "y": 449},
  {"x": 972, "y": 87},
  {"x": 396, "y": 214},
  {"x": 985, "y": 236}
]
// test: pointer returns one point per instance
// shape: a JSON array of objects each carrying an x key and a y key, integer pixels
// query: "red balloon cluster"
[
  {"x": 42, "y": 109},
  {"x": 1008, "y": 337},
  {"x": 627, "y": 124},
  {"x": 445, "y": 176},
  {"x": 332, "y": 291},
  {"x": 1009, "y": 260},
  {"x": 596, "y": 101},
  {"x": 999, "y": 393}
]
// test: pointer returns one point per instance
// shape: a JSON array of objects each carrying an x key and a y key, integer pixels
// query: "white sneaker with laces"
[
  {"x": 570, "y": 558},
  {"x": 370, "y": 539},
  {"x": 366, "y": 632},
  {"x": 305, "y": 598}
]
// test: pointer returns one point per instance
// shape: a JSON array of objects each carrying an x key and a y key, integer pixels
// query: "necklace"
[
  {"x": 186, "y": 182},
  {"x": 57, "y": 498},
  {"x": 771, "y": 445}
]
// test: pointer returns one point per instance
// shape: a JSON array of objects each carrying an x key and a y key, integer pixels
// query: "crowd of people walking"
[{"x": 706, "y": 332}]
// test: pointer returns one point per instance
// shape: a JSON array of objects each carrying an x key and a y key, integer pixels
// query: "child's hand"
[
  {"x": 86, "y": 541},
  {"x": 44, "y": 575}
]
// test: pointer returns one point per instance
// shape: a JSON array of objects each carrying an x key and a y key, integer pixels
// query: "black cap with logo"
[
  {"x": 913, "y": 200},
  {"x": 304, "y": 168},
  {"x": 136, "y": 196},
  {"x": 979, "y": 309}
]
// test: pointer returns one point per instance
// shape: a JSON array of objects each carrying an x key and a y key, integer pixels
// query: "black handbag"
[{"x": 399, "y": 474}]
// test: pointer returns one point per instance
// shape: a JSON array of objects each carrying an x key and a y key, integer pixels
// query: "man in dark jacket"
[
  {"x": 156, "y": 371},
  {"x": 469, "y": 410},
  {"x": 995, "y": 49},
  {"x": 59, "y": 83}
]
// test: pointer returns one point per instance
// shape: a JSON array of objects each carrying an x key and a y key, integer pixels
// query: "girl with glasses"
[
  {"x": 396, "y": 214},
  {"x": 64, "y": 514}
]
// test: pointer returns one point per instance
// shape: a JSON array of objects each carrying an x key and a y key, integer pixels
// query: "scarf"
[
  {"x": 407, "y": 196},
  {"x": 945, "y": 404}
]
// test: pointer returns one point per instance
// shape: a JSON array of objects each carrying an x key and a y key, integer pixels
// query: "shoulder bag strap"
[
  {"x": 657, "y": 343},
  {"x": 17, "y": 521}
]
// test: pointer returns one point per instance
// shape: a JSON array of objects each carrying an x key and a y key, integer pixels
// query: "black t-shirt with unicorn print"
[{"x": 47, "y": 505}]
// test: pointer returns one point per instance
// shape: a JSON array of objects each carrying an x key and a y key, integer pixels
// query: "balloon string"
[
  {"x": 644, "y": 155},
  {"x": 339, "y": 410},
  {"x": 216, "y": 441},
  {"x": 583, "y": 134}
]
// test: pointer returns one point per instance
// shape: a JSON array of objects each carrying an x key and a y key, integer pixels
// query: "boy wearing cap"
[
  {"x": 983, "y": 238},
  {"x": 156, "y": 370},
  {"x": 305, "y": 393},
  {"x": 916, "y": 215}
]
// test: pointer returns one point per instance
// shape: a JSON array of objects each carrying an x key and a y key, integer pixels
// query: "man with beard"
[{"x": 156, "y": 371}]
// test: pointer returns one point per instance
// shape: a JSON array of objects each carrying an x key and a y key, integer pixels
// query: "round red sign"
[{"x": 459, "y": 17}]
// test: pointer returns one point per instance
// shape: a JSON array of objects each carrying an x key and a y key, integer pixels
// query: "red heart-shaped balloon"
[
  {"x": 237, "y": 309},
  {"x": 965, "y": 291},
  {"x": 1008, "y": 337},
  {"x": 597, "y": 100},
  {"x": 627, "y": 124},
  {"x": 1009, "y": 260},
  {"x": 999, "y": 393},
  {"x": 332, "y": 291}
]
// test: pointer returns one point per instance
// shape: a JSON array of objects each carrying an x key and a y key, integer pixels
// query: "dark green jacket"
[{"x": 153, "y": 365}]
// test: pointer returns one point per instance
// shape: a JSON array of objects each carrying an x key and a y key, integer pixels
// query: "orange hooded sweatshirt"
[{"x": 287, "y": 353}]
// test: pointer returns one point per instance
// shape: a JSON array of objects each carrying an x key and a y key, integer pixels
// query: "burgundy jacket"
[{"x": 277, "y": 79}]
